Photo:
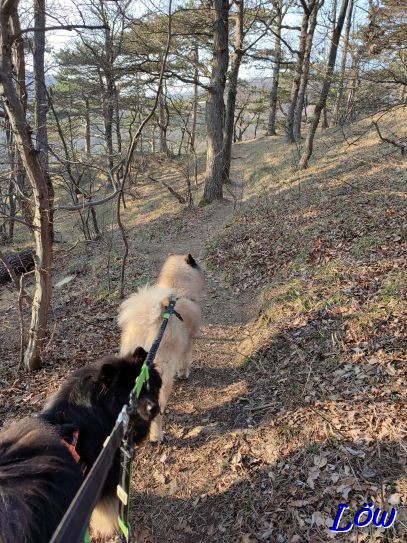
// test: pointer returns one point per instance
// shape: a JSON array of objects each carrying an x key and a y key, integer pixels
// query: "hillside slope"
[
  {"x": 297, "y": 398},
  {"x": 298, "y": 401}
]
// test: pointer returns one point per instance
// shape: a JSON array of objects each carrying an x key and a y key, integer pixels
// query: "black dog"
[{"x": 40, "y": 472}]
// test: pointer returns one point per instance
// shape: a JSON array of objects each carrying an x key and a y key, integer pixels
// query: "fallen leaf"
[
  {"x": 394, "y": 499},
  {"x": 320, "y": 461},
  {"x": 317, "y": 518},
  {"x": 195, "y": 431}
]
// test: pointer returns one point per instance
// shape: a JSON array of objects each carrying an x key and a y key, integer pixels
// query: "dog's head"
[
  {"x": 116, "y": 380},
  {"x": 183, "y": 273}
]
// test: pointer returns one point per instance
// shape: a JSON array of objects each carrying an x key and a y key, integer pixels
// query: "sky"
[{"x": 62, "y": 12}]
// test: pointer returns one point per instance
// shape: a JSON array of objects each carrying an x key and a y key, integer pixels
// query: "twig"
[
  {"x": 136, "y": 137},
  {"x": 328, "y": 421},
  {"x": 22, "y": 295},
  {"x": 16, "y": 219},
  {"x": 91, "y": 203},
  {"x": 70, "y": 28},
  {"x": 176, "y": 195},
  {"x": 261, "y": 407},
  {"x": 125, "y": 241},
  {"x": 9, "y": 268},
  {"x": 388, "y": 140}
]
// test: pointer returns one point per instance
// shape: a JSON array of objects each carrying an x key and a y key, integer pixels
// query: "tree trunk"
[
  {"x": 108, "y": 119},
  {"x": 41, "y": 100},
  {"x": 289, "y": 127},
  {"x": 11, "y": 157},
  {"x": 309, "y": 142},
  {"x": 314, "y": 9},
  {"x": 324, "y": 124},
  {"x": 12, "y": 210},
  {"x": 353, "y": 84},
  {"x": 339, "y": 95},
  {"x": 271, "y": 127},
  {"x": 109, "y": 96},
  {"x": 195, "y": 98},
  {"x": 39, "y": 85},
  {"x": 236, "y": 60},
  {"x": 18, "y": 60},
  {"x": 117, "y": 113},
  {"x": 215, "y": 105},
  {"x": 162, "y": 121},
  {"x": 87, "y": 128},
  {"x": 43, "y": 199}
]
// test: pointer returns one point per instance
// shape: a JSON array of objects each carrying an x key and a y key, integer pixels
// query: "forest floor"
[{"x": 297, "y": 398}]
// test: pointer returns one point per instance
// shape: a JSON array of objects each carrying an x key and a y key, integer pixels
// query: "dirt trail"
[{"x": 172, "y": 478}]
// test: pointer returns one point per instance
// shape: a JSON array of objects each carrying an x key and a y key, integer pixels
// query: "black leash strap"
[
  {"x": 75, "y": 522},
  {"x": 169, "y": 310},
  {"x": 126, "y": 450}
]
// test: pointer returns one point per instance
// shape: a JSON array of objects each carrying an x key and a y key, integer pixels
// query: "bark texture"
[
  {"x": 289, "y": 127},
  {"x": 215, "y": 106},
  {"x": 312, "y": 23},
  {"x": 271, "y": 126},
  {"x": 236, "y": 59}
]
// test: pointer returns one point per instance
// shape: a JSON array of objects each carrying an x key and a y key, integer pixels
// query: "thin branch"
[
  {"x": 16, "y": 219},
  {"x": 176, "y": 194},
  {"x": 70, "y": 28},
  {"x": 91, "y": 203},
  {"x": 268, "y": 27},
  {"x": 388, "y": 140},
  {"x": 130, "y": 152},
  {"x": 9, "y": 268}
]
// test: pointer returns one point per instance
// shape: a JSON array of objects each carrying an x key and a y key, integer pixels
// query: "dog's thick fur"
[
  {"x": 38, "y": 474},
  {"x": 141, "y": 315}
]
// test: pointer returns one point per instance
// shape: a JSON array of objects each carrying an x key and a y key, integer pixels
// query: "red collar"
[{"x": 70, "y": 444}]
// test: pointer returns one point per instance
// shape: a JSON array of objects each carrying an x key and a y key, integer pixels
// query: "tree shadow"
[{"x": 252, "y": 499}]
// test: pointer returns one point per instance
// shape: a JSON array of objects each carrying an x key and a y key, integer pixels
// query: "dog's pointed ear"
[
  {"x": 139, "y": 355},
  {"x": 108, "y": 374},
  {"x": 190, "y": 260}
]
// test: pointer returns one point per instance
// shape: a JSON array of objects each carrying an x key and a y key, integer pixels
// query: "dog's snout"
[{"x": 152, "y": 407}]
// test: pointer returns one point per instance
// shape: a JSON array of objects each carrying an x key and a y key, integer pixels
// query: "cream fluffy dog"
[{"x": 140, "y": 317}]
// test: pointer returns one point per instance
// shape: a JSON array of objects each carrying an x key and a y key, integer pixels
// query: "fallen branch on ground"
[{"x": 176, "y": 194}]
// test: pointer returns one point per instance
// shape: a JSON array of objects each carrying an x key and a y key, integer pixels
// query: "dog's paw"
[
  {"x": 183, "y": 376},
  {"x": 156, "y": 437},
  {"x": 157, "y": 444}
]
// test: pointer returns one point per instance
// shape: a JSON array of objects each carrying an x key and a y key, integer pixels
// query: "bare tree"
[
  {"x": 271, "y": 127},
  {"x": 43, "y": 199},
  {"x": 236, "y": 59},
  {"x": 41, "y": 95},
  {"x": 295, "y": 87},
  {"x": 195, "y": 98},
  {"x": 314, "y": 8},
  {"x": 339, "y": 94},
  {"x": 163, "y": 119},
  {"x": 309, "y": 142}
]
